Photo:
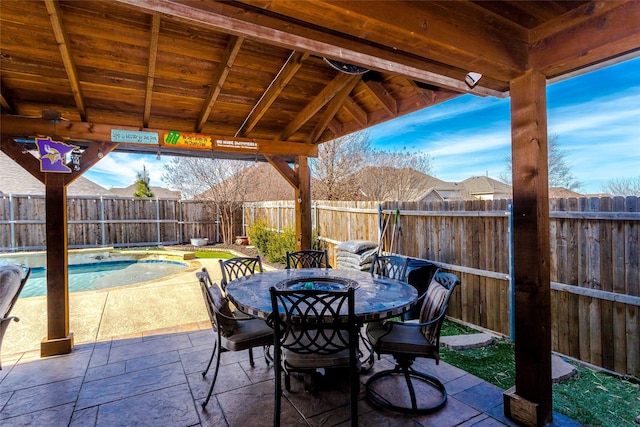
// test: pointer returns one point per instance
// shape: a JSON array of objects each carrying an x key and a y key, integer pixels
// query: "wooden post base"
[
  {"x": 521, "y": 410},
  {"x": 56, "y": 346}
]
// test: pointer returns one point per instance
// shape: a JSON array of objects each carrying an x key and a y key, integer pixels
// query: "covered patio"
[
  {"x": 269, "y": 81},
  {"x": 153, "y": 377}
]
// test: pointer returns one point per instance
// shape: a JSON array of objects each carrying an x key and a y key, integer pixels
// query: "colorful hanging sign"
[
  {"x": 53, "y": 155},
  {"x": 187, "y": 140},
  {"x": 242, "y": 145},
  {"x": 133, "y": 136}
]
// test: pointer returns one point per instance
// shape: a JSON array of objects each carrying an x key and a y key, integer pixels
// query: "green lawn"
[{"x": 592, "y": 398}]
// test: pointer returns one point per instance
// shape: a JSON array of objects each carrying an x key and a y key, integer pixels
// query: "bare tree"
[
  {"x": 337, "y": 162},
  {"x": 223, "y": 183},
  {"x": 560, "y": 174},
  {"x": 396, "y": 175},
  {"x": 623, "y": 186}
]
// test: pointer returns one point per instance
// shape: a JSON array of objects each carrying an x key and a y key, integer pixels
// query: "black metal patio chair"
[
  {"x": 406, "y": 341},
  {"x": 232, "y": 333},
  {"x": 391, "y": 266},
  {"x": 308, "y": 259},
  {"x": 234, "y": 268},
  {"x": 316, "y": 329}
]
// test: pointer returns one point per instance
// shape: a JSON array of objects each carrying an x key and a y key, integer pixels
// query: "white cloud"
[{"x": 121, "y": 169}]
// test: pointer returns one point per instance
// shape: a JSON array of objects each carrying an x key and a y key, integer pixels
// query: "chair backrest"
[
  {"x": 233, "y": 268},
  {"x": 12, "y": 280},
  {"x": 314, "y": 321},
  {"x": 436, "y": 301},
  {"x": 218, "y": 308},
  {"x": 391, "y": 266},
  {"x": 308, "y": 259}
]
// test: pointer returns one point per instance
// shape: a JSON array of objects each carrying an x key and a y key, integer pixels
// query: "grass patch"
[
  {"x": 591, "y": 398},
  {"x": 215, "y": 254}
]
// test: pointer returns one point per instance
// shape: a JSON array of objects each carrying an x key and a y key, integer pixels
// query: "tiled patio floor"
[{"x": 155, "y": 380}]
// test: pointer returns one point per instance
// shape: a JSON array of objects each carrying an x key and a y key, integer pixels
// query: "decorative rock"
[
  {"x": 561, "y": 370},
  {"x": 464, "y": 342}
]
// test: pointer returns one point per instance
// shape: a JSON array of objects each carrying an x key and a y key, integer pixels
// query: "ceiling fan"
[{"x": 346, "y": 68}]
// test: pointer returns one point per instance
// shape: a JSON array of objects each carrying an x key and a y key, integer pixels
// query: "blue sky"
[{"x": 596, "y": 117}]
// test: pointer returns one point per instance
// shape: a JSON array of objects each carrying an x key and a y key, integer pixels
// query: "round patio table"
[{"x": 376, "y": 298}]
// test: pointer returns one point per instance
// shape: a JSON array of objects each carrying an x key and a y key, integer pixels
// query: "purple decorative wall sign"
[{"x": 53, "y": 154}]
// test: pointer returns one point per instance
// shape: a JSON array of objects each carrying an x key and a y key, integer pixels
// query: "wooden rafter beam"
[
  {"x": 151, "y": 68},
  {"x": 333, "y": 107},
  {"x": 229, "y": 57},
  {"x": 288, "y": 70},
  {"x": 55, "y": 15},
  {"x": 285, "y": 170},
  {"x": 383, "y": 97},
  {"x": 21, "y": 156},
  {"x": 418, "y": 28},
  {"x": 5, "y": 104},
  {"x": 322, "y": 99},
  {"x": 358, "y": 114},
  {"x": 90, "y": 132},
  {"x": 226, "y": 17},
  {"x": 573, "y": 18},
  {"x": 608, "y": 38},
  {"x": 92, "y": 155},
  {"x": 426, "y": 98}
]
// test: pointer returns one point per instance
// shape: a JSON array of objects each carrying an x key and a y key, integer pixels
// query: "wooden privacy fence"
[
  {"x": 595, "y": 262},
  {"x": 104, "y": 221}
]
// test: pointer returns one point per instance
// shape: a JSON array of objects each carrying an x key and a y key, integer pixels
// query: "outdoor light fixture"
[
  {"x": 346, "y": 68},
  {"x": 472, "y": 78}
]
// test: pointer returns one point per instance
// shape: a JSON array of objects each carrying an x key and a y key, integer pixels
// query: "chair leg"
[
  {"x": 251, "y": 357},
  {"x": 267, "y": 356},
  {"x": 213, "y": 353},
  {"x": 404, "y": 369},
  {"x": 278, "y": 391},
  {"x": 215, "y": 376}
]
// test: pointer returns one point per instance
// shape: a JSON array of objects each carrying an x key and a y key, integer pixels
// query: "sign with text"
[
  {"x": 134, "y": 136},
  {"x": 53, "y": 155},
  {"x": 242, "y": 145},
  {"x": 206, "y": 142},
  {"x": 187, "y": 140}
]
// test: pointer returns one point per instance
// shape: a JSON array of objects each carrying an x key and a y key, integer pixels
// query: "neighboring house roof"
[
  {"x": 445, "y": 191},
  {"x": 267, "y": 184},
  {"x": 413, "y": 182},
  {"x": 483, "y": 185},
  {"x": 562, "y": 193},
  {"x": 159, "y": 192},
  {"x": 16, "y": 180}
]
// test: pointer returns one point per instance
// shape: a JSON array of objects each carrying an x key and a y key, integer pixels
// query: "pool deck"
[{"x": 121, "y": 312}]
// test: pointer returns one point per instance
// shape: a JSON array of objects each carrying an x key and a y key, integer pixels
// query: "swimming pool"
[{"x": 102, "y": 275}]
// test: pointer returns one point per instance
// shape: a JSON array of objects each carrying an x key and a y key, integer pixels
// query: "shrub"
[
  {"x": 280, "y": 244},
  {"x": 259, "y": 235},
  {"x": 273, "y": 245}
]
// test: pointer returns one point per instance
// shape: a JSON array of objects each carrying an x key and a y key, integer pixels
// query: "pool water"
[{"x": 87, "y": 277}]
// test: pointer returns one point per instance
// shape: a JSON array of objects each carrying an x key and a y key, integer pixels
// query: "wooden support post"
[
  {"x": 531, "y": 401},
  {"x": 300, "y": 179},
  {"x": 303, "y": 205},
  {"x": 59, "y": 340}
]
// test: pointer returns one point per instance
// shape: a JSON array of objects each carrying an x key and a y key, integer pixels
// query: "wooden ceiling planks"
[{"x": 174, "y": 64}]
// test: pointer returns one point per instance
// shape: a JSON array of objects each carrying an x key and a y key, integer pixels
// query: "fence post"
[
  {"x": 12, "y": 224},
  {"x": 180, "y": 225},
  {"x": 244, "y": 233},
  {"x": 102, "y": 224},
  {"x": 217, "y": 222},
  {"x": 158, "y": 221}
]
